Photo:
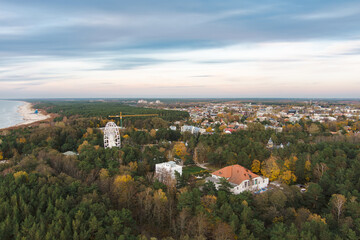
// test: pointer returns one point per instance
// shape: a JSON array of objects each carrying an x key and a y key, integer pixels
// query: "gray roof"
[{"x": 70, "y": 153}]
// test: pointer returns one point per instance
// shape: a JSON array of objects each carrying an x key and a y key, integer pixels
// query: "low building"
[
  {"x": 240, "y": 179},
  {"x": 70, "y": 153},
  {"x": 166, "y": 170},
  {"x": 192, "y": 129},
  {"x": 270, "y": 143},
  {"x": 229, "y": 130}
]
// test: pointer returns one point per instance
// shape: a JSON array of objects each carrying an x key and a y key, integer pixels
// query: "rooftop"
[{"x": 235, "y": 174}]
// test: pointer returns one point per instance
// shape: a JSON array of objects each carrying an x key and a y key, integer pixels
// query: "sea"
[{"x": 9, "y": 115}]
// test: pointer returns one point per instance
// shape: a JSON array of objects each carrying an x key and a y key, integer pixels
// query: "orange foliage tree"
[{"x": 270, "y": 168}]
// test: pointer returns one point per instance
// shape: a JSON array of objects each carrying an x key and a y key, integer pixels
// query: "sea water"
[{"x": 9, "y": 115}]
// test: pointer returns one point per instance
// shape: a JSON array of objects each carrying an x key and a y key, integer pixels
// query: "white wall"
[
  {"x": 261, "y": 183},
  {"x": 166, "y": 168},
  {"x": 244, "y": 186}
]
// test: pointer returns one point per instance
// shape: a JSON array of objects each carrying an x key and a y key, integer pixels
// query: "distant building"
[
  {"x": 192, "y": 129},
  {"x": 294, "y": 119},
  {"x": 240, "y": 179},
  {"x": 277, "y": 129},
  {"x": 173, "y": 128},
  {"x": 166, "y": 170},
  {"x": 70, "y": 153},
  {"x": 229, "y": 130},
  {"x": 270, "y": 143}
]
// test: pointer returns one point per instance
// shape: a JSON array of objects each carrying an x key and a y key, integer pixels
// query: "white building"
[
  {"x": 240, "y": 178},
  {"x": 167, "y": 170},
  {"x": 192, "y": 129}
]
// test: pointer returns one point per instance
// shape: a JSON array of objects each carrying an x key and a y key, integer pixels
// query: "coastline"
[{"x": 27, "y": 112}]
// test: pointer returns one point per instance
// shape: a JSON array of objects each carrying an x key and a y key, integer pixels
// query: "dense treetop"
[
  {"x": 112, "y": 193},
  {"x": 104, "y": 109}
]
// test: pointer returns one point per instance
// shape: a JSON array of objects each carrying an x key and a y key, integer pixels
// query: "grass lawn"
[{"x": 192, "y": 169}]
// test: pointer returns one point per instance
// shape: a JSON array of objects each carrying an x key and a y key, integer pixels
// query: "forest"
[
  {"x": 99, "y": 193},
  {"x": 104, "y": 109}
]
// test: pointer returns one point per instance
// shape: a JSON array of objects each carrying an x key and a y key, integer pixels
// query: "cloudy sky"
[{"x": 188, "y": 48}]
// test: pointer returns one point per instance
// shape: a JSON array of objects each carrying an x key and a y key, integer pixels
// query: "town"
[
  {"x": 179, "y": 120},
  {"x": 232, "y": 117},
  {"x": 193, "y": 169}
]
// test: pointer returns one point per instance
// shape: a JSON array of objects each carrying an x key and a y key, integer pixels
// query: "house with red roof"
[{"x": 241, "y": 179}]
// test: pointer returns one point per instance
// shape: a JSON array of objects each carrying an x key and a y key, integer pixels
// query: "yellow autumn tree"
[
  {"x": 270, "y": 168},
  {"x": 288, "y": 171},
  {"x": 85, "y": 143},
  {"x": 317, "y": 218},
  {"x": 160, "y": 196},
  {"x": 122, "y": 179},
  {"x": 19, "y": 174},
  {"x": 179, "y": 149},
  {"x": 124, "y": 188},
  {"x": 287, "y": 176},
  {"x": 255, "y": 166},
  {"x": 1, "y": 155},
  {"x": 209, "y": 129}
]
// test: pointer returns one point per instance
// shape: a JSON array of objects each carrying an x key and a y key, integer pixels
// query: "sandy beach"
[{"x": 28, "y": 113}]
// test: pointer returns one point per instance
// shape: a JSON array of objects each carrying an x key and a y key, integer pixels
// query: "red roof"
[
  {"x": 235, "y": 174},
  {"x": 230, "y": 129}
]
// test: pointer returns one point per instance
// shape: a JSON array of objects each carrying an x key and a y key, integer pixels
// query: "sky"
[{"x": 179, "y": 49}]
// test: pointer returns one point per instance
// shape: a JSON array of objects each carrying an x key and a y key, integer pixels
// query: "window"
[{"x": 256, "y": 182}]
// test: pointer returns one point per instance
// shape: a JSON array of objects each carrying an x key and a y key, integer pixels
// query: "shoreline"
[{"x": 27, "y": 112}]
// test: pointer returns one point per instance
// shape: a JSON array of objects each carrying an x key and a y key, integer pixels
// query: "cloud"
[
  {"x": 333, "y": 13},
  {"x": 202, "y": 76},
  {"x": 96, "y": 47},
  {"x": 127, "y": 63}
]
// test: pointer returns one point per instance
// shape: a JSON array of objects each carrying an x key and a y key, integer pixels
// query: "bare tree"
[
  {"x": 319, "y": 170},
  {"x": 337, "y": 202}
]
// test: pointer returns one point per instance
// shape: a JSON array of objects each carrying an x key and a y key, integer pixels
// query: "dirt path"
[{"x": 202, "y": 165}]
